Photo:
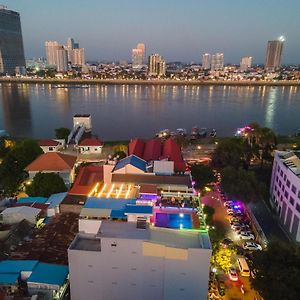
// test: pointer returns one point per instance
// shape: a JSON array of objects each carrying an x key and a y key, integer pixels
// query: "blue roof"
[
  {"x": 17, "y": 266},
  {"x": 55, "y": 199},
  {"x": 11, "y": 278},
  {"x": 49, "y": 274},
  {"x": 132, "y": 160},
  {"x": 139, "y": 209},
  {"x": 32, "y": 200},
  {"x": 108, "y": 203},
  {"x": 117, "y": 214}
]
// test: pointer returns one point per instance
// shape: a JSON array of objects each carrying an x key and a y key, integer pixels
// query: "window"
[
  {"x": 279, "y": 183},
  {"x": 283, "y": 188},
  {"x": 298, "y": 208},
  {"x": 292, "y": 200},
  {"x": 114, "y": 244},
  {"x": 284, "y": 177},
  {"x": 281, "y": 173},
  {"x": 275, "y": 188},
  {"x": 288, "y": 183},
  {"x": 278, "y": 168},
  {"x": 286, "y": 195},
  {"x": 299, "y": 194},
  {"x": 294, "y": 190}
]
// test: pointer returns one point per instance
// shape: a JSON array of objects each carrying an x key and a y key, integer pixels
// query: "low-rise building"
[
  {"x": 50, "y": 145},
  {"x": 13, "y": 215},
  {"x": 285, "y": 190},
  {"x": 90, "y": 146}
]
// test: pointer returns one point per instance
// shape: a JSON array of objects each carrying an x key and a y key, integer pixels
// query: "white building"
[
  {"x": 156, "y": 65},
  {"x": 246, "y": 63},
  {"x": 62, "y": 60},
  {"x": 125, "y": 262},
  {"x": 206, "y": 58},
  {"x": 137, "y": 58},
  {"x": 285, "y": 190},
  {"x": 217, "y": 61},
  {"x": 50, "y": 145},
  {"x": 90, "y": 146}
]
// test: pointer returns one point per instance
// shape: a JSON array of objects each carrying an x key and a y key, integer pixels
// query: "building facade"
[
  {"x": 285, "y": 190},
  {"x": 156, "y": 65},
  {"x": 11, "y": 42},
  {"x": 62, "y": 59},
  {"x": 274, "y": 54},
  {"x": 137, "y": 58},
  {"x": 51, "y": 47},
  {"x": 246, "y": 63},
  {"x": 217, "y": 61},
  {"x": 142, "y": 47},
  {"x": 206, "y": 58}
]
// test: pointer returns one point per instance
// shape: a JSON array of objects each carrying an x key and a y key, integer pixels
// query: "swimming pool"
[{"x": 175, "y": 221}]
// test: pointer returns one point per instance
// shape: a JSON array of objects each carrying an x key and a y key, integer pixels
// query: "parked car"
[
  {"x": 226, "y": 243},
  {"x": 246, "y": 236},
  {"x": 252, "y": 246},
  {"x": 232, "y": 273},
  {"x": 228, "y": 203}
]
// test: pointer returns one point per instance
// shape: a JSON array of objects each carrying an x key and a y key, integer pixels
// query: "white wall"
[{"x": 89, "y": 226}]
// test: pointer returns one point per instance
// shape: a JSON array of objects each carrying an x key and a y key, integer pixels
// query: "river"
[{"x": 124, "y": 111}]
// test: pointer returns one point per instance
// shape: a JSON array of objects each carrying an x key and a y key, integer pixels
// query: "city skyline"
[{"x": 114, "y": 27}]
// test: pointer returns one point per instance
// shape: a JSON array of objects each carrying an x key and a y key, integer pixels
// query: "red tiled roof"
[
  {"x": 136, "y": 147},
  {"x": 91, "y": 142},
  {"x": 48, "y": 143},
  {"x": 86, "y": 179},
  {"x": 52, "y": 161},
  {"x": 173, "y": 152},
  {"x": 152, "y": 150}
]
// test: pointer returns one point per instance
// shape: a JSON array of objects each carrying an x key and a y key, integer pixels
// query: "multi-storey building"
[
  {"x": 11, "y": 42},
  {"x": 206, "y": 59},
  {"x": 51, "y": 48},
  {"x": 142, "y": 47},
  {"x": 156, "y": 65},
  {"x": 274, "y": 54},
  {"x": 217, "y": 61},
  {"x": 137, "y": 58},
  {"x": 285, "y": 190},
  {"x": 245, "y": 63}
]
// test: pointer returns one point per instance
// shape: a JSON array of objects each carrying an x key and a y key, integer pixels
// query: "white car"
[
  {"x": 252, "y": 246},
  {"x": 230, "y": 211},
  {"x": 228, "y": 203},
  {"x": 246, "y": 236}
]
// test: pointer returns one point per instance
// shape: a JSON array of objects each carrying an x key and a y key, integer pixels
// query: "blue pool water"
[{"x": 175, "y": 221}]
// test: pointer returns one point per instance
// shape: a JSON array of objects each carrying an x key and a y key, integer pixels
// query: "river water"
[{"x": 126, "y": 111}]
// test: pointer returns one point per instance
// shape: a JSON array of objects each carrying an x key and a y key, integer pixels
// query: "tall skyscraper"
[
  {"x": 75, "y": 54},
  {"x": 142, "y": 47},
  {"x": 274, "y": 54},
  {"x": 70, "y": 43},
  {"x": 11, "y": 42},
  {"x": 206, "y": 58},
  {"x": 51, "y": 47},
  {"x": 156, "y": 65},
  {"x": 137, "y": 58},
  {"x": 217, "y": 61},
  {"x": 246, "y": 63},
  {"x": 62, "y": 59}
]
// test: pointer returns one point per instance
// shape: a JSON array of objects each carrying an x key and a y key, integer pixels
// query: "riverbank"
[{"x": 149, "y": 82}]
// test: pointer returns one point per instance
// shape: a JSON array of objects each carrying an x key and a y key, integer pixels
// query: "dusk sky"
[{"x": 179, "y": 30}]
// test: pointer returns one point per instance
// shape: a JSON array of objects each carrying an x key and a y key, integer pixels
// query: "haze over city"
[{"x": 180, "y": 31}]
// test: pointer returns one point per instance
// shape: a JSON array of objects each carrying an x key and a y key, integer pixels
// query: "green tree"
[
  {"x": 240, "y": 183},
  {"x": 209, "y": 211},
  {"x": 277, "y": 272},
  {"x": 221, "y": 258},
  {"x": 46, "y": 184},
  {"x": 229, "y": 152},
  {"x": 202, "y": 174},
  {"x": 62, "y": 133},
  {"x": 12, "y": 167}
]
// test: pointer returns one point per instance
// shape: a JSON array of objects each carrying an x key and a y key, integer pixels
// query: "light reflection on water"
[{"x": 125, "y": 111}]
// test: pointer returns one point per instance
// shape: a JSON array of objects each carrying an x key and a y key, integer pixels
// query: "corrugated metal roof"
[
  {"x": 49, "y": 274},
  {"x": 56, "y": 199},
  {"x": 17, "y": 266},
  {"x": 132, "y": 160},
  {"x": 23, "y": 210},
  {"x": 32, "y": 200},
  {"x": 138, "y": 209},
  {"x": 108, "y": 203},
  {"x": 11, "y": 278}
]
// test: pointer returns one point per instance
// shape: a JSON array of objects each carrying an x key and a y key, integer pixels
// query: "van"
[{"x": 243, "y": 266}]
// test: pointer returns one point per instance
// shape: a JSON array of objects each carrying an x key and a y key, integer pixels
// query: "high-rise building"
[
  {"x": 11, "y": 42},
  {"x": 274, "y": 54},
  {"x": 156, "y": 65},
  {"x": 75, "y": 54},
  {"x": 62, "y": 59},
  {"x": 206, "y": 58},
  {"x": 142, "y": 47},
  {"x": 137, "y": 58},
  {"x": 217, "y": 61},
  {"x": 246, "y": 63},
  {"x": 51, "y": 47},
  {"x": 70, "y": 43}
]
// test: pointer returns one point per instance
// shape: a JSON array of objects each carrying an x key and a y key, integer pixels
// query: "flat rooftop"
[
  {"x": 127, "y": 230},
  {"x": 291, "y": 159}
]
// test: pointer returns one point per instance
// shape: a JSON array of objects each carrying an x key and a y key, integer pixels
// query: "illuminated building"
[
  {"x": 285, "y": 190},
  {"x": 206, "y": 58},
  {"x": 61, "y": 59},
  {"x": 246, "y": 63},
  {"x": 274, "y": 54},
  {"x": 217, "y": 61},
  {"x": 142, "y": 47},
  {"x": 11, "y": 42},
  {"x": 137, "y": 58},
  {"x": 51, "y": 47},
  {"x": 156, "y": 65}
]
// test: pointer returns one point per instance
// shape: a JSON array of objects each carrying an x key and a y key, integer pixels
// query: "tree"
[
  {"x": 62, "y": 133},
  {"x": 46, "y": 184},
  {"x": 277, "y": 272},
  {"x": 209, "y": 211},
  {"x": 202, "y": 174},
  {"x": 240, "y": 183},
  {"x": 222, "y": 258},
  {"x": 229, "y": 152},
  {"x": 12, "y": 167}
]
